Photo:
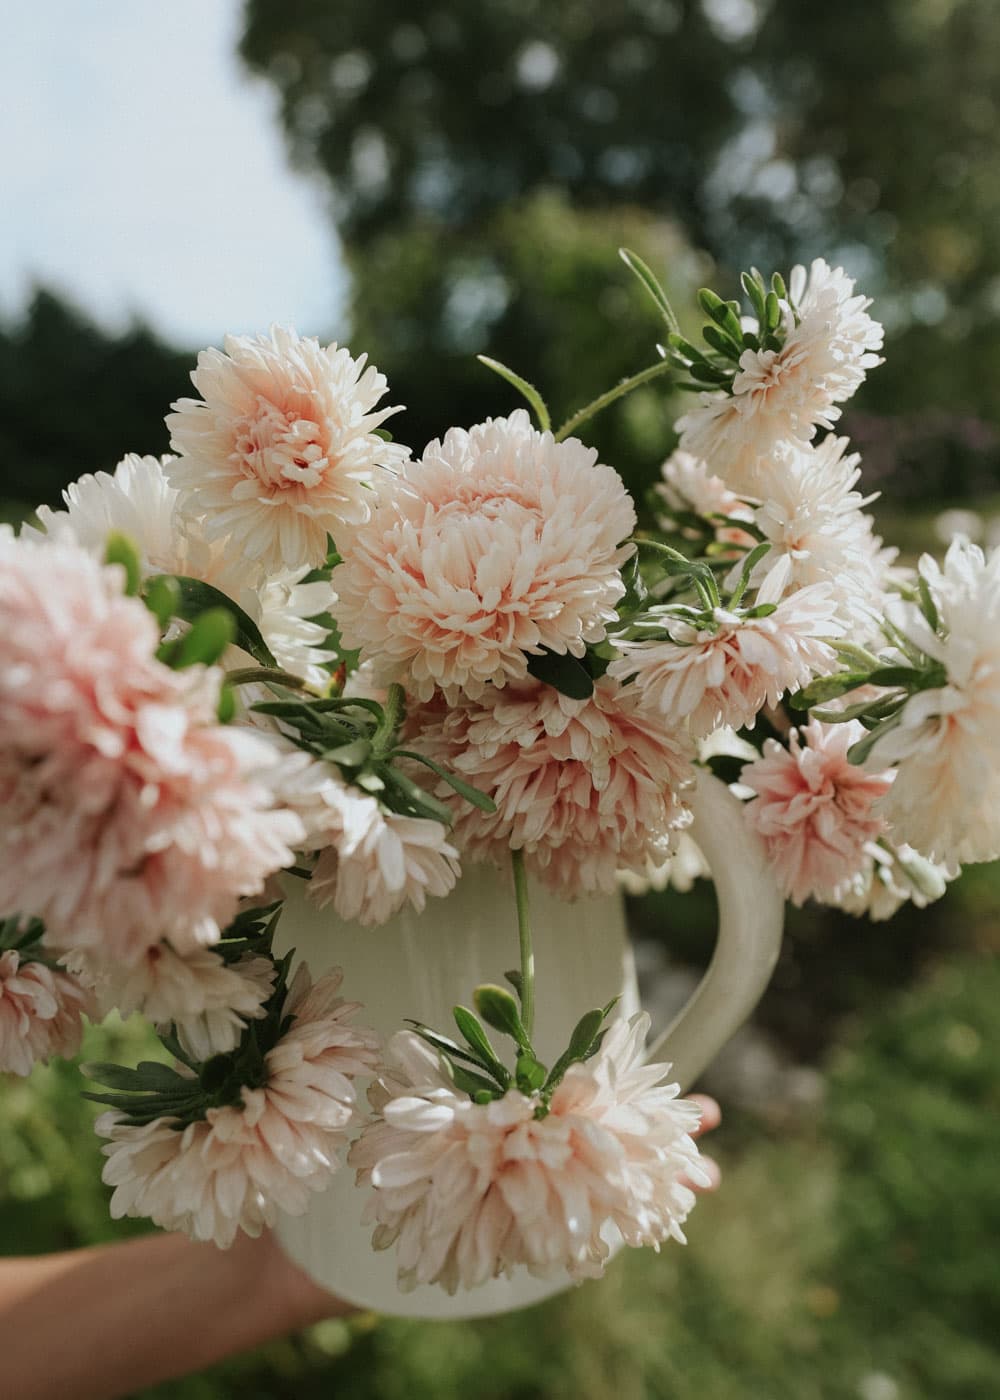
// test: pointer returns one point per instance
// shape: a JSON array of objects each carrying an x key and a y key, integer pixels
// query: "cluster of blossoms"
[{"x": 292, "y": 646}]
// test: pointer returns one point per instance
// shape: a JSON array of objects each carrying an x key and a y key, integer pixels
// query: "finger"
[
  {"x": 711, "y": 1168},
  {"x": 711, "y": 1114}
]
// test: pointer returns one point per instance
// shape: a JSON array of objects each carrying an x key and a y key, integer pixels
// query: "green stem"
[
  {"x": 618, "y": 392},
  {"x": 392, "y": 717},
  {"x": 265, "y": 675},
  {"x": 524, "y": 940}
]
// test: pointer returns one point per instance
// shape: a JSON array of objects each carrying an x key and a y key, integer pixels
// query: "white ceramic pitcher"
[{"x": 420, "y": 966}]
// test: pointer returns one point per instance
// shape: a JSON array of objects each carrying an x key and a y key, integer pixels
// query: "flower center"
[{"x": 280, "y": 450}]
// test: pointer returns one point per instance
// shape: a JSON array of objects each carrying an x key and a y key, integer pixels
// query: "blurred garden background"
[{"x": 466, "y": 174}]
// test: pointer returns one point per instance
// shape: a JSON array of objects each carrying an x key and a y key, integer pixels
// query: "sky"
[{"x": 143, "y": 173}]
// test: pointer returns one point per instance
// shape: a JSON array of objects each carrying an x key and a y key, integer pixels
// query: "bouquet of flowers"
[{"x": 294, "y": 650}]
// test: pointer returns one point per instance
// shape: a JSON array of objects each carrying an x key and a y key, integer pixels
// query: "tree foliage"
[{"x": 74, "y": 398}]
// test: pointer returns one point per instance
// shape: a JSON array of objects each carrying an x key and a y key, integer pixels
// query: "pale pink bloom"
[
  {"x": 891, "y": 876},
  {"x": 40, "y": 1013},
  {"x": 139, "y": 502},
  {"x": 127, "y": 814},
  {"x": 945, "y": 801},
  {"x": 498, "y": 543},
  {"x": 207, "y": 1000},
  {"x": 584, "y": 787},
  {"x": 239, "y": 1165},
  {"x": 815, "y": 809},
  {"x": 812, "y": 516},
  {"x": 688, "y": 484},
  {"x": 726, "y": 677},
  {"x": 830, "y": 343},
  {"x": 467, "y": 1192},
  {"x": 371, "y": 861},
  {"x": 281, "y": 447}
]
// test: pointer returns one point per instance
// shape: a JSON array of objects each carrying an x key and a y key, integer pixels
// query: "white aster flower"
[
  {"x": 945, "y": 801},
  {"x": 726, "y": 676},
  {"x": 207, "y": 1000},
  {"x": 467, "y": 1192},
  {"x": 281, "y": 448},
  {"x": 679, "y": 871},
  {"x": 829, "y": 345},
  {"x": 812, "y": 517},
  {"x": 498, "y": 543},
  {"x": 136, "y": 500},
  {"x": 238, "y": 1166}
]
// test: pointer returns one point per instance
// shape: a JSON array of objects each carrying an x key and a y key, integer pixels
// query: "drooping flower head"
[
  {"x": 725, "y": 675},
  {"x": 41, "y": 1012},
  {"x": 498, "y": 543},
  {"x": 238, "y": 1165},
  {"x": 945, "y": 801},
  {"x": 281, "y": 447},
  {"x": 584, "y": 787},
  {"x": 205, "y": 999},
  {"x": 127, "y": 814},
  {"x": 467, "y": 1192},
  {"x": 815, "y": 810}
]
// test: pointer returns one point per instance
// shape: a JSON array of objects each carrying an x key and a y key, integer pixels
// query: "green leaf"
[
  {"x": 474, "y": 1084},
  {"x": 860, "y": 751},
  {"x": 530, "y": 1073},
  {"x": 351, "y": 755},
  {"x": 447, "y": 1047},
  {"x": 725, "y": 314},
  {"x": 204, "y": 642},
  {"x": 464, "y": 789},
  {"x": 226, "y": 708},
  {"x": 479, "y": 1041},
  {"x": 749, "y": 564},
  {"x": 563, "y": 673},
  {"x": 927, "y": 604},
  {"x": 723, "y": 344},
  {"x": 197, "y": 597},
  {"x": 526, "y": 390},
  {"x": 652, "y": 285},
  {"x": 772, "y": 313},
  {"x": 685, "y": 349},
  {"x": 778, "y": 286},
  {"x": 415, "y": 800},
  {"x": 499, "y": 1009},
  {"x": 162, "y": 597},
  {"x": 119, "y": 549},
  {"x": 513, "y": 976},
  {"x": 754, "y": 289},
  {"x": 827, "y": 688}
]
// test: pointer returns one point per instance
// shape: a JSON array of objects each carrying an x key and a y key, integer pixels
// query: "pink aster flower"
[
  {"x": 127, "y": 814},
  {"x": 815, "y": 809},
  {"x": 726, "y": 676},
  {"x": 281, "y": 447},
  {"x": 238, "y": 1166},
  {"x": 207, "y": 1000},
  {"x": 371, "y": 861},
  {"x": 830, "y": 344},
  {"x": 40, "y": 1013},
  {"x": 467, "y": 1192},
  {"x": 498, "y": 543},
  {"x": 584, "y": 787}
]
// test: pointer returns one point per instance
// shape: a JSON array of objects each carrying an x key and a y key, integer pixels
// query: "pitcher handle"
[{"x": 751, "y": 919}]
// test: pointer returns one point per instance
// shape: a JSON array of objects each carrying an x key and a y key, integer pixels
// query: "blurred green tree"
[
  {"x": 74, "y": 398},
  {"x": 766, "y": 130}
]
